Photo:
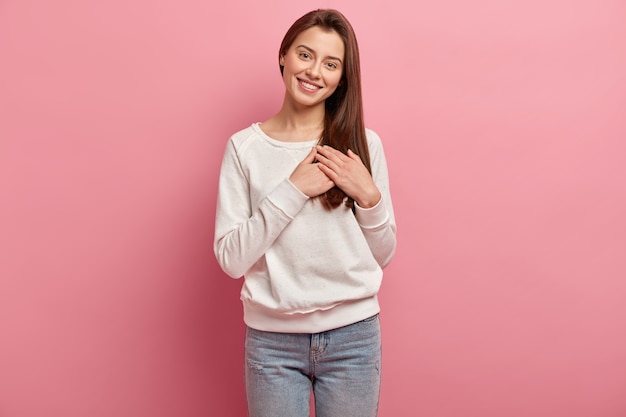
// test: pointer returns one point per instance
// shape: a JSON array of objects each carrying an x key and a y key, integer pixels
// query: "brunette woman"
[{"x": 304, "y": 214}]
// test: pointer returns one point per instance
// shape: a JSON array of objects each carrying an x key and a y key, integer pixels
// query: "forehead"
[{"x": 322, "y": 42}]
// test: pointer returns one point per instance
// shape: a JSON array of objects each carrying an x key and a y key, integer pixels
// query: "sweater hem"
[{"x": 343, "y": 314}]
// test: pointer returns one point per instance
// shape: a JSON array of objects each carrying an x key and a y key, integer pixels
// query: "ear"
[{"x": 281, "y": 60}]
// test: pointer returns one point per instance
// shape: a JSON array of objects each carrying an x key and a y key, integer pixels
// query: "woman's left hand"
[{"x": 350, "y": 174}]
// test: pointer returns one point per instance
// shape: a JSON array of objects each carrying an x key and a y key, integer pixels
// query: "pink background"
[{"x": 505, "y": 129}]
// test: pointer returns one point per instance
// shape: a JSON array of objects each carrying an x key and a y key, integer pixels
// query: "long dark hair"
[{"x": 343, "y": 122}]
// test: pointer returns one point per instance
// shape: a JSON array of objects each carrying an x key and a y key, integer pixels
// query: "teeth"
[{"x": 309, "y": 86}]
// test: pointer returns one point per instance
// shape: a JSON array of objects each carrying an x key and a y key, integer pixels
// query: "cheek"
[
  {"x": 289, "y": 65},
  {"x": 336, "y": 79}
]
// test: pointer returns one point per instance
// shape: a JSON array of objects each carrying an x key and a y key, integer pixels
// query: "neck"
[
  {"x": 296, "y": 123},
  {"x": 298, "y": 117}
]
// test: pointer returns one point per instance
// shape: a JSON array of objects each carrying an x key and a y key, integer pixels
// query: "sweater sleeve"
[
  {"x": 243, "y": 234},
  {"x": 378, "y": 223}
]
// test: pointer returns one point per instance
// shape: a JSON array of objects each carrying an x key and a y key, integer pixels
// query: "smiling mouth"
[{"x": 308, "y": 85}]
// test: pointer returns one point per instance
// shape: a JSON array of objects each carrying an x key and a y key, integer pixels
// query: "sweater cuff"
[
  {"x": 372, "y": 217},
  {"x": 288, "y": 198}
]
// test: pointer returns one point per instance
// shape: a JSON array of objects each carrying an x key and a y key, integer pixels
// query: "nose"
[{"x": 313, "y": 70}]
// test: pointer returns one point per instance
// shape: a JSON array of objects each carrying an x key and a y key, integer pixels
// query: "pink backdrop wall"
[{"x": 505, "y": 129}]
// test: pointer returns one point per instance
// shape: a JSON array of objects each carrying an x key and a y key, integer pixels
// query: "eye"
[
  {"x": 304, "y": 55},
  {"x": 331, "y": 65}
]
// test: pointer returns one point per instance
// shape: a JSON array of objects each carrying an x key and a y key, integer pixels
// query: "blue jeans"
[{"x": 341, "y": 366}]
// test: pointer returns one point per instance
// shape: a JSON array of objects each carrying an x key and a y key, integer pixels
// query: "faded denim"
[{"x": 341, "y": 366}]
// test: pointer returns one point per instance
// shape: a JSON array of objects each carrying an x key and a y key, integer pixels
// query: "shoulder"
[
  {"x": 243, "y": 136},
  {"x": 245, "y": 139},
  {"x": 373, "y": 140}
]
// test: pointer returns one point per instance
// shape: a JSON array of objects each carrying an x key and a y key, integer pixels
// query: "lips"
[{"x": 309, "y": 86}]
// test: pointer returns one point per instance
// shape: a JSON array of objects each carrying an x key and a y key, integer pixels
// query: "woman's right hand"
[{"x": 309, "y": 178}]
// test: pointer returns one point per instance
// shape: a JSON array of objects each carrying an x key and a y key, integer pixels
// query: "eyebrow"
[{"x": 312, "y": 51}]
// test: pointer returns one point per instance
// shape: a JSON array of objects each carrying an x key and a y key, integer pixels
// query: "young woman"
[{"x": 304, "y": 214}]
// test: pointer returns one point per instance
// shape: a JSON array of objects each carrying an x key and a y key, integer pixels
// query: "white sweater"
[{"x": 307, "y": 269}]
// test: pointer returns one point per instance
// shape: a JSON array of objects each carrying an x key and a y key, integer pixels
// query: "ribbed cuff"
[
  {"x": 372, "y": 217},
  {"x": 288, "y": 198}
]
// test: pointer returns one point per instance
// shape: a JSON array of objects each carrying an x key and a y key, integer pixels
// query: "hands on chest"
[{"x": 324, "y": 167}]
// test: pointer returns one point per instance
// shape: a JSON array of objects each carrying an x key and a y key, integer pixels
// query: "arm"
[
  {"x": 373, "y": 208},
  {"x": 378, "y": 222},
  {"x": 243, "y": 235}
]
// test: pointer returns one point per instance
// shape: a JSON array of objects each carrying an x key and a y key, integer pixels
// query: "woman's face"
[{"x": 313, "y": 66}]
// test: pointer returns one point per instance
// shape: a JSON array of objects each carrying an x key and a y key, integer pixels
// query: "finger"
[
  {"x": 329, "y": 151},
  {"x": 353, "y": 155},
  {"x": 330, "y": 174},
  {"x": 326, "y": 162},
  {"x": 336, "y": 157}
]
